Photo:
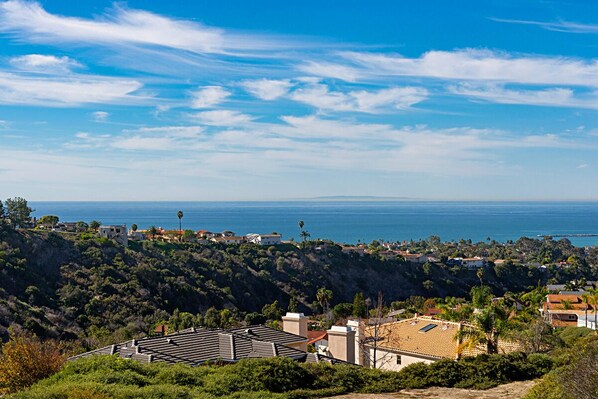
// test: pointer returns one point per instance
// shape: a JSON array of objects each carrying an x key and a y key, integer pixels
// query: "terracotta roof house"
[
  {"x": 562, "y": 310},
  {"x": 397, "y": 344},
  {"x": 200, "y": 346}
]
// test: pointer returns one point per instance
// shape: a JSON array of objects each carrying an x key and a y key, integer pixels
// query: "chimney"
[
  {"x": 341, "y": 343},
  {"x": 359, "y": 327},
  {"x": 295, "y": 323}
]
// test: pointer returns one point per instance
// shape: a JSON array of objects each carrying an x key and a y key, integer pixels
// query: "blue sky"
[{"x": 270, "y": 100}]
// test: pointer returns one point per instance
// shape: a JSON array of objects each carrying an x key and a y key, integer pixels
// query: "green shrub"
[{"x": 415, "y": 375}]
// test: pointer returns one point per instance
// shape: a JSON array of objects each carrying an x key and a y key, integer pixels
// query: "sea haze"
[{"x": 350, "y": 221}]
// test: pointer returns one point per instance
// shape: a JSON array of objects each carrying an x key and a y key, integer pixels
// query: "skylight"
[{"x": 427, "y": 328}]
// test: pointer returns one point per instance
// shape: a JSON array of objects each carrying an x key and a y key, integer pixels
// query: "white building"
[
  {"x": 264, "y": 239},
  {"x": 581, "y": 322},
  {"x": 117, "y": 233},
  {"x": 473, "y": 263}
]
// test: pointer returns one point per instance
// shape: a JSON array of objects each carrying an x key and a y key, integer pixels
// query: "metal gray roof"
[{"x": 198, "y": 346}]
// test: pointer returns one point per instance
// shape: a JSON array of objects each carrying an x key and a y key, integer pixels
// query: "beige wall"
[
  {"x": 388, "y": 360},
  {"x": 295, "y": 323},
  {"x": 302, "y": 346},
  {"x": 341, "y": 344}
]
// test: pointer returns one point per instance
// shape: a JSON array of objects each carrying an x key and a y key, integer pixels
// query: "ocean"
[{"x": 348, "y": 221}]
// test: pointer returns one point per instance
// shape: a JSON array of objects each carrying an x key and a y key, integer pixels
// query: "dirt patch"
[{"x": 514, "y": 390}]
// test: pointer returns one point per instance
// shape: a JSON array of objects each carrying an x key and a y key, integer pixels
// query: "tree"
[
  {"x": 49, "y": 220},
  {"x": 304, "y": 234},
  {"x": 293, "y": 305},
  {"x": 81, "y": 226},
  {"x": 152, "y": 231},
  {"x": 272, "y": 311},
  {"x": 188, "y": 235},
  {"x": 94, "y": 225},
  {"x": 2, "y": 212},
  {"x": 179, "y": 214},
  {"x": 586, "y": 298},
  {"x": 25, "y": 360},
  {"x": 324, "y": 297},
  {"x": 359, "y": 308},
  {"x": 212, "y": 318},
  {"x": 18, "y": 212},
  {"x": 481, "y": 296},
  {"x": 488, "y": 326},
  {"x": 377, "y": 332},
  {"x": 134, "y": 227}
]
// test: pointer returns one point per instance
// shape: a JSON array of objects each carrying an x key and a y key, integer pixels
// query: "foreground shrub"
[{"x": 25, "y": 359}]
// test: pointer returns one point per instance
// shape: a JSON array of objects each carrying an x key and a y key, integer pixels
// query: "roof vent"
[
  {"x": 169, "y": 340},
  {"x": 249, "y": 331}
]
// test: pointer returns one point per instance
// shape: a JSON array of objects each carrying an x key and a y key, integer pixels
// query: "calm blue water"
[{"x": 350, "y": 221}]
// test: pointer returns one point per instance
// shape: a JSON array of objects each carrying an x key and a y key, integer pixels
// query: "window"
[
  {"x": 399, "y": 359},
  {"x": 427, "y": 328}
]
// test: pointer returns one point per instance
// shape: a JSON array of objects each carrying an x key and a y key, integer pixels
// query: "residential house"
[
  {"x": 589, "y": 322},
  {"x": 117, "y": 233},
  {"x": 319, "y": 340},
  {"x": 360, "y": 250},
  {"x": 562, "y": 310},
  {"x": 196, "y": 347},
  {"x": 473, "y": 263},
  {"x": 65, "y": 227},
  {"x": 264, "y": 239},
  {"x": 137, "y": 235},
  {"x": 229, "y": 239},
  {"x": 413, "y": 258},
  {"x": 394, "y": 345}
]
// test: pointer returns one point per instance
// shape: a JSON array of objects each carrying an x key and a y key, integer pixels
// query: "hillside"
[{"x": 69, "y": 286}]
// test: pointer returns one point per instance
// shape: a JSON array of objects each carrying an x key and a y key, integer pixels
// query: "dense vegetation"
[
  {"x": 104, "y": 377},
  {"x": 576, "y": 376},
  {"x": 68, "y": 286}
]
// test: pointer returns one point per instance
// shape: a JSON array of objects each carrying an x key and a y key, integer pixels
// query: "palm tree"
[
  {"x": 180, "y": 216},
  {"x": 488, "y": 326},
  {"x": 586, "y": 300},
  {"x": 152, "y": 232},
  {"x": 594, "y": 302},
  {"x": 324, "y": 296},
  {"x": 304, "y": 236}
]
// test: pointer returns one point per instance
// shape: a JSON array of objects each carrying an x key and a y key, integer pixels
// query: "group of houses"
[
  {"x": 120, "y": 234},
  {"x": 387, "y": 344}
]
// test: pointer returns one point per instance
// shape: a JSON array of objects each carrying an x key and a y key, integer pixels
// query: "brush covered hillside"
[{"x": 79, "y": 286}]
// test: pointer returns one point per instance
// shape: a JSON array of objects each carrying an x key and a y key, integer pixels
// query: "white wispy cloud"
[
  {"x": 44, "y": 63},
  {"x": 330, "y": 70},
  {"x": 551, "y": 97},
  {"x": 122, "y": 26},
  {"x": 160, "y": 139},
  {"x": 321, "y": 97},
  {"x": 562, "y": 26},
  {"x": 222, "y": 118},
  {"x": 208, "y": 96},
  {"x": 69, "y": 91},
  {"x": 100, "y": 116},
  {"x": 267, "y": 89},
  {"x": 482, "y": 65}
]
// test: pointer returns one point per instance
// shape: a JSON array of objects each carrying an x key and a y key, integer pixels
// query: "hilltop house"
[
  {"x": 117, "y": 233},
  {"x": 229, "y": 239},
  {"x": 264, "y": 239},
  {"x": 562, "y": 310}
]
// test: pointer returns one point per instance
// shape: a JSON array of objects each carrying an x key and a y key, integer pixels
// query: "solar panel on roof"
[{"x": 427, "y": 328}]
